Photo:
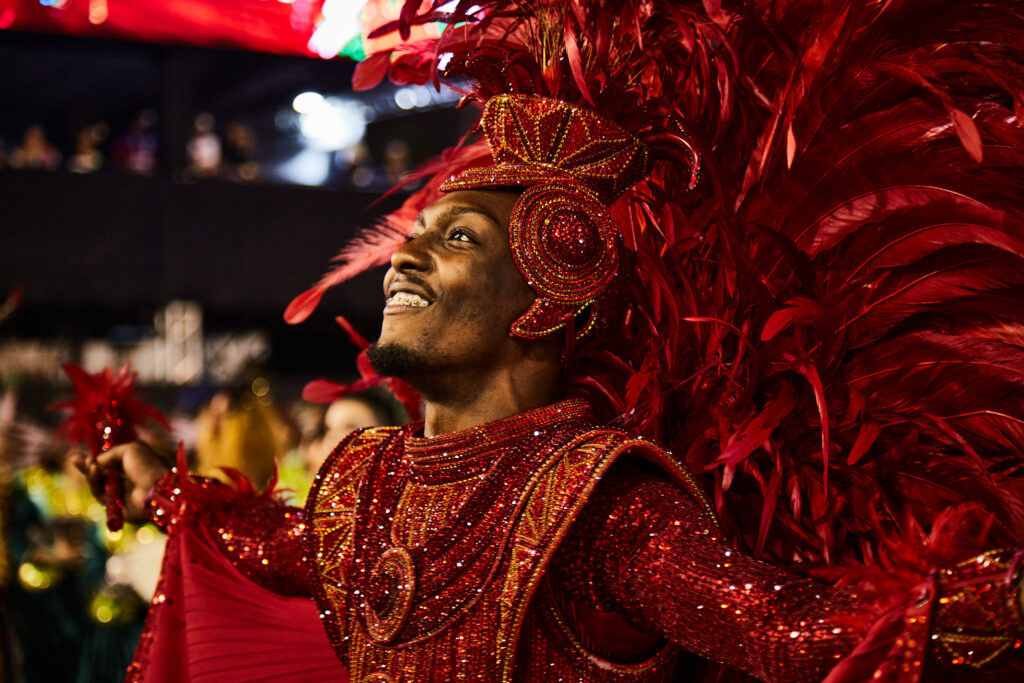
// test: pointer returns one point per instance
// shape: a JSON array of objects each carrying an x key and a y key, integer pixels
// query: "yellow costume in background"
[{"x": 239, "y": 434}]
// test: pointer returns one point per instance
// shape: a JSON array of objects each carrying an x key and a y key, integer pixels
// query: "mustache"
[{"x": 416, "y": 281}]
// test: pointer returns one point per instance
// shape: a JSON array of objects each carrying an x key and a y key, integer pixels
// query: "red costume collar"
[{"x": 471, "y": 452}]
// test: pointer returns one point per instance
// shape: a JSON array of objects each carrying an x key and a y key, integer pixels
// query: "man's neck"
[{"x": 480, "y": 400}]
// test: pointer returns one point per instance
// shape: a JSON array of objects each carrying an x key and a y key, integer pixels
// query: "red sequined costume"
[
  {"x": 524, "y": 549},
  {"x": 782, "y": 239}
]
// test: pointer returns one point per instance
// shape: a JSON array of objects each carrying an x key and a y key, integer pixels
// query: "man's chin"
[{"x": 398, "y": 361}]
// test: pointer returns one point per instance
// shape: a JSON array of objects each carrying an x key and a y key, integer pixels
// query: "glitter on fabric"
[
  {"x": 541, "y": 140},
  {"x": 540, "y": 547},
  {"x": 475, "y": 517}
]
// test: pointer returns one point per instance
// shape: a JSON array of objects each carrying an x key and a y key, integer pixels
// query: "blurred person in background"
[
  {"x": 87, "y": 157},
  {"x": 35, "y": 151},
  {"x": 340, "y": 418},
  {"x": 397, "y": 160},
  {"x": 72, "y": 587},
  {"x": 236, "y": 430},
  {"x": 362, "y": 171},
  {"x": 135, "y": 150},
  {"x": 204, "y": 149},
  {"x": 240, "y": 162}
]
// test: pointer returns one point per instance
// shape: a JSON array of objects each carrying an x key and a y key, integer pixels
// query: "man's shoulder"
[
  {"x": 603, "y": 447},
  {"x": 367, "y": 439},
  {"x": 371, "y": 436},
  {"x": 620, "y": 441},
  {"x": 626, "y": 448},
  {"x": 337, "y": 483},
  {"x": 352, "y": 452}
]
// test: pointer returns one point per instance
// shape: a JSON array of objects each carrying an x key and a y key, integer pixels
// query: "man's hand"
[{"x": 141, "y": 467}]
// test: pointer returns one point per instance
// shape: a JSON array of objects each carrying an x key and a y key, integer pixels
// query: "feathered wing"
[
  {"x": 831, "y": 321},
  {"x": 830, "y": 326},
  {"x": 883, "y": 224}
]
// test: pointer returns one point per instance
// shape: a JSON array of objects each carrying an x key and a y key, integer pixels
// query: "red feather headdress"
[{"x": 830, "y": 325}]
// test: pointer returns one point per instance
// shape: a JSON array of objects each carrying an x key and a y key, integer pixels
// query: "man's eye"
[{"x": 460, "y": 235}]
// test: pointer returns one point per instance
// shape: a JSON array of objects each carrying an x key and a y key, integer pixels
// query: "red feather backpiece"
[
  {"x": 105, "y": 412},
  {"x": 830, "y": 326}
]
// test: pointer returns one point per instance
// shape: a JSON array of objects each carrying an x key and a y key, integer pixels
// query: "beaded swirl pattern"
[{"x": 563, "y": 242}]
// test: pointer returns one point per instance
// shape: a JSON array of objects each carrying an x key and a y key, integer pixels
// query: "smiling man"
[
  {"x": 510, "y": 536},
  {"x": 513, "y": 534}
]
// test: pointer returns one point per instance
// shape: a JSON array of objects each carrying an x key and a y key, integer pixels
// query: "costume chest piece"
[{"x": 463, "y": 492}]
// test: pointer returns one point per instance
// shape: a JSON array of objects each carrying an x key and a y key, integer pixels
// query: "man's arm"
[
  {"x": 643, "y": 548},
  {"x": 261, "y": 536}
]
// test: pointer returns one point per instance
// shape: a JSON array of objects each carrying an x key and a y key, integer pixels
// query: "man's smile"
[
  {"x": 404, "y": 294},
  {"x": 402, "y": 300}
]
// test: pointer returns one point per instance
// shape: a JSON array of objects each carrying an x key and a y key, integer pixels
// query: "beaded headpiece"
[
  {"x": 563, "y": 240},
  {"x": 574, "y": 162}
]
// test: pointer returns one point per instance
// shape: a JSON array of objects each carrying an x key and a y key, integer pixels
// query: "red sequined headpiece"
[{"x": 574, "y": 164}]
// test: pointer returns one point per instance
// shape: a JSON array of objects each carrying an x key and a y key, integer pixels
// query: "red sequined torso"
[
  {"x": 536, "y": 548},
  {"x": 429, "y": 552}
]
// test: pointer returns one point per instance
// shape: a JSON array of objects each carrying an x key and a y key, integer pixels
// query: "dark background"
[{"x": 97, "y": 254}]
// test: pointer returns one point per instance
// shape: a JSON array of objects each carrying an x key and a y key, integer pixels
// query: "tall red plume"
[{"x": 829, "y": 324}]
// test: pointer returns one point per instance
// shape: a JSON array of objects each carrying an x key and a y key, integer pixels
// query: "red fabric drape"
[{"x": 211, "y": 623}]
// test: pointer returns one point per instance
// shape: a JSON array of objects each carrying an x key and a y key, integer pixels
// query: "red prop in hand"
[{"x": 103, "y": 413}]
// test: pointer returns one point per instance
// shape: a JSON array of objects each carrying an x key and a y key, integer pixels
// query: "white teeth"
[{"x": 407, "y": 299}]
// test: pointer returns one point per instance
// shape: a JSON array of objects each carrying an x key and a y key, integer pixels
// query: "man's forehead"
[
  {"x": 441, "y": 212},
  {"x": 490, "y": 205}
]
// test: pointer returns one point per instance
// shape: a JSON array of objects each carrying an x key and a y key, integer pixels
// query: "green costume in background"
[{"x": 67, "y": 623}]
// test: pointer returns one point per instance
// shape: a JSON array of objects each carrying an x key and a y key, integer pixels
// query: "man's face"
[{"x": 452, "y": 290}]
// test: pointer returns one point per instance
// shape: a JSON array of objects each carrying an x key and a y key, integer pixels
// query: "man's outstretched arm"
[
  {"x": 643, "y": 548},
  {"x": 261, "y": 535}
]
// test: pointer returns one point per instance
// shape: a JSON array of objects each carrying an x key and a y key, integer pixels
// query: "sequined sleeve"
[
  {"x": 261, "y": 535},
  {"x": 643, "y": 548}
]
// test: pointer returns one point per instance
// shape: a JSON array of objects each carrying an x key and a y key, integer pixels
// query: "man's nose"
[{"x": 413, "y": 255}]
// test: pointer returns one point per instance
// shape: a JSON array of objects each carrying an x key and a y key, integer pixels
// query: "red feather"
[
  {"x": 371, "y": 71},
  {"x": 105, "y": 412},
  {"x": 370, "y": 248},
  {"x": 302, "y": 306},
  {"x": 326, "y": 391},
  {"x": 354, "y": 336}
]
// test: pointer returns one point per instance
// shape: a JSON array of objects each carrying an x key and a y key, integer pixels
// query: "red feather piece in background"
[
  {"x": 326, "y": 391},
  {"x": 370, "y": 72},
  {"x": 105, "y": 412}
]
